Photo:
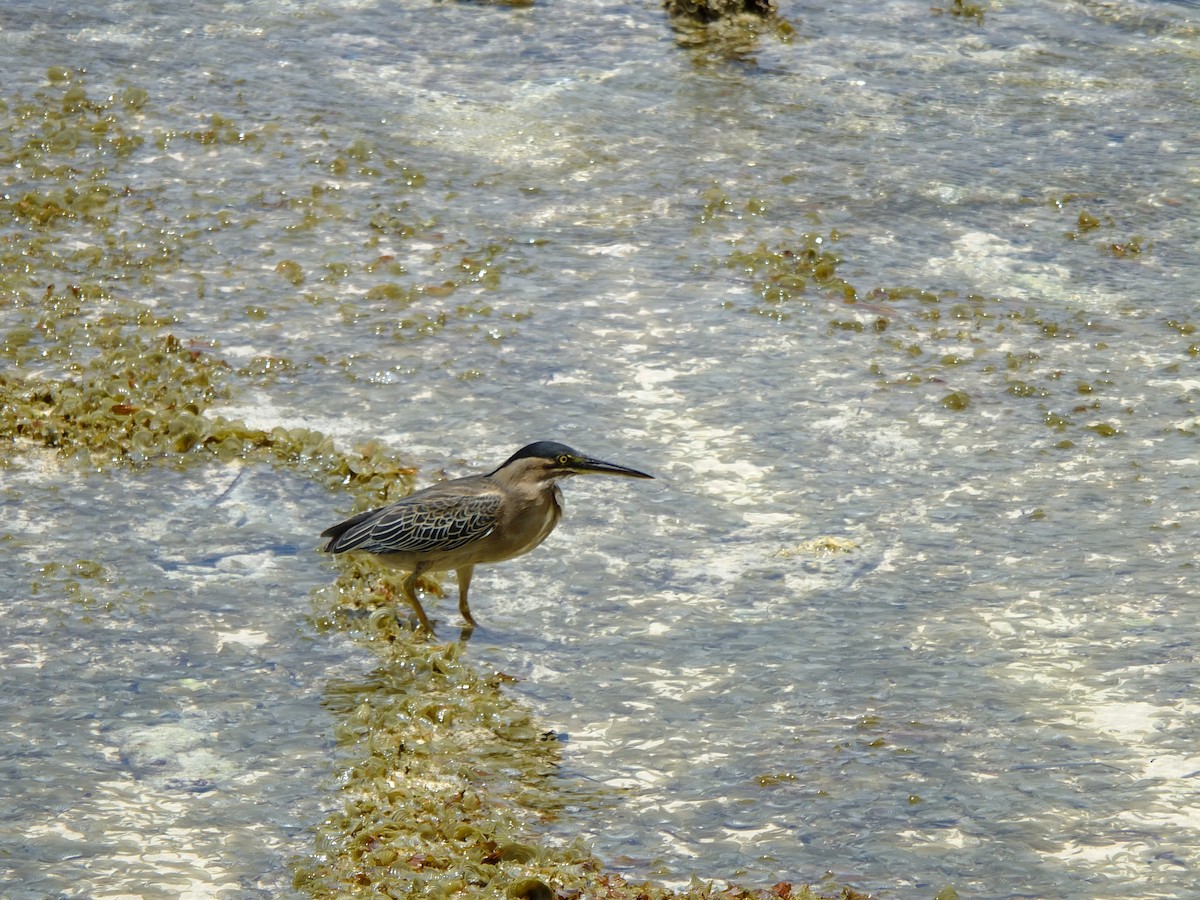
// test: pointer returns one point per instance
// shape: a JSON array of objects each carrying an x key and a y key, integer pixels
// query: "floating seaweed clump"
[{"x": 787, "y": 272}]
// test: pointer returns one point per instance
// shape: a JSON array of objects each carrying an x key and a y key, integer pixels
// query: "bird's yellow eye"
[{"x": 563, "y": 460}]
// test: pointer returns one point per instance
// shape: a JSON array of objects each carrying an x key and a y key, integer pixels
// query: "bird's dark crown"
[{"x": 541, "y": 450}]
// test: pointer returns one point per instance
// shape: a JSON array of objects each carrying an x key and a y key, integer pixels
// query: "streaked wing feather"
[{"x": 421, "y": 524}]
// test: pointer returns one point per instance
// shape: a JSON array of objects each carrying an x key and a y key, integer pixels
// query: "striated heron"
[{"x": 461, "y": 523}]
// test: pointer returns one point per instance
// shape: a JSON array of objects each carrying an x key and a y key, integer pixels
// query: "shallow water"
[
  {"x": 163, "y": 703},
  {"x": 850, "y": 628}
]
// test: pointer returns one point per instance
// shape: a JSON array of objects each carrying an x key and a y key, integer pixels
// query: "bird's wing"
[{"x": 418, "y": 524}]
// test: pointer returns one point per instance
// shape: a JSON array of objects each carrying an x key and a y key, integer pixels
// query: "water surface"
[{"x": 910, "y": 600}]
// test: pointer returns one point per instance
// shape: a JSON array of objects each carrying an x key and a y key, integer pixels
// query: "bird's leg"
[
  {"x": 410, "y": 594},
  {"x": 464, "y": 583}
]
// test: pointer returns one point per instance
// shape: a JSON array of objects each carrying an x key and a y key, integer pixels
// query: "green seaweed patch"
[
  {"x": 1055, "y": 421},
  {"x": 362, "y": 159},
  {"x": 131, "y": 391},
  {"x": 446, "y": 777},
  {"x": 715, "y": 203},
  {"x": 722, "y": 31},
  {"x": 962, "y": 10},
  {"x": 957, "y": 401},
  {"x": 63, "y": 219},
  {"x": 291, "y": 272},
  {"x": 786, "y": 273},
  {"x": 1087, "y": 223},
  {"x": 928, "y": 338},
  {"x": 78, "y": 582},
  {"x": 143, "y": 401},
  {"x": 1130, "y": 247},
  {"x": 1023, "y": 389},
  {"x": 447, "y": 782},
  {"x": 217, "y": 131},
  {"x": 50, "y": 135},
  {"x": 268, "y": 369},
  {"x": 1184, "y": 328},
  {"x": 411, "y": 308}
]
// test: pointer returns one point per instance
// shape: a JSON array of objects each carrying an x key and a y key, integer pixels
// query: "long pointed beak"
[{"x": 589, "y": 466}]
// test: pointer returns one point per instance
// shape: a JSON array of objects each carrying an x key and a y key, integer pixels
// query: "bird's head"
[{"x": 549, "y": 460}]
